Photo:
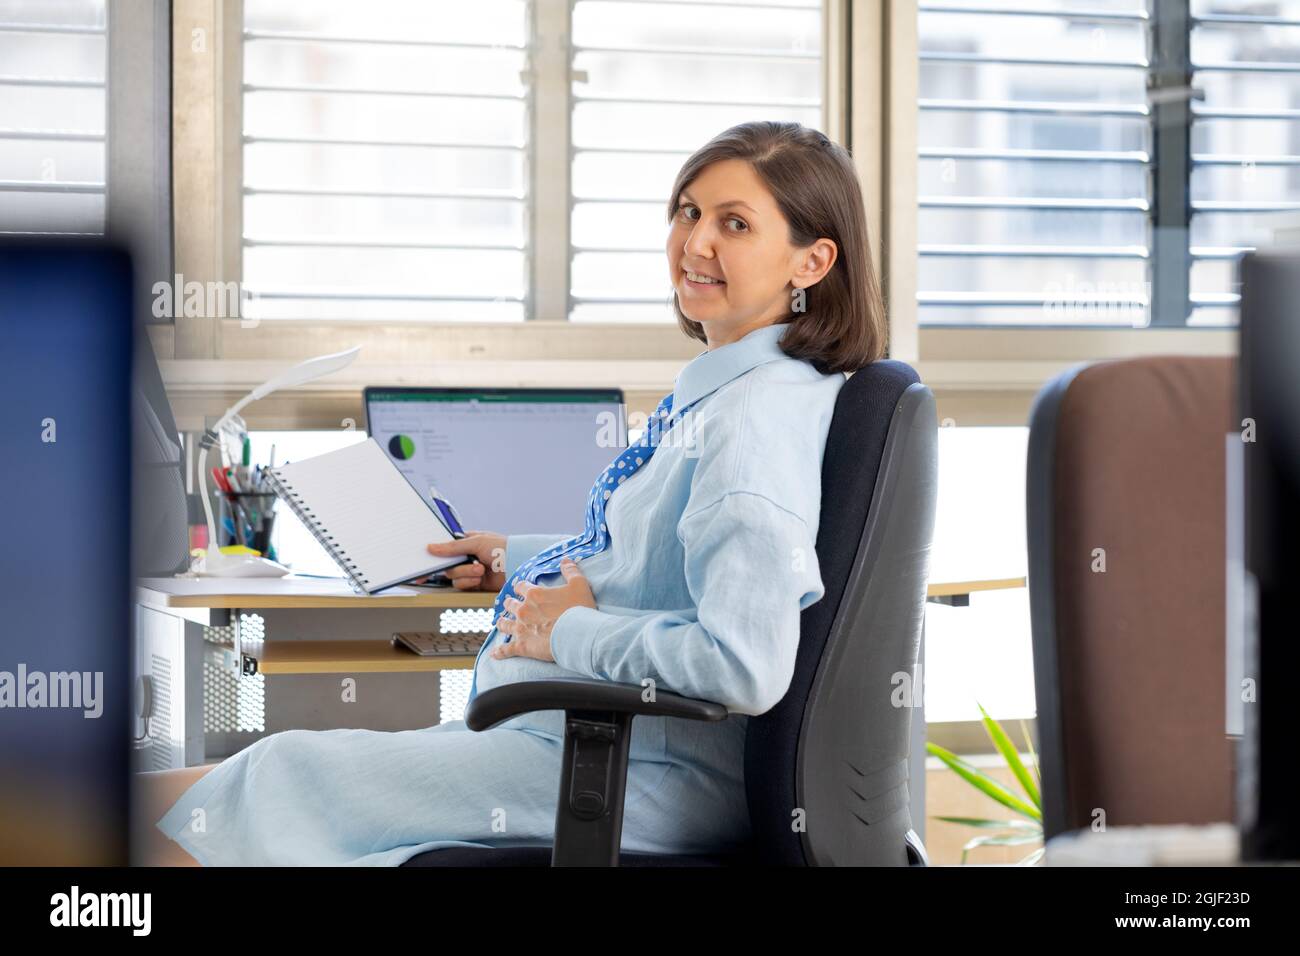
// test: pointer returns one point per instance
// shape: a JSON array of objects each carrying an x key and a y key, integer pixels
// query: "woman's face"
[{"x": 729, "y": 254}]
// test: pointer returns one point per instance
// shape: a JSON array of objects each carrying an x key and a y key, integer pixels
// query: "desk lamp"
[{"x": 215, "y": 563}]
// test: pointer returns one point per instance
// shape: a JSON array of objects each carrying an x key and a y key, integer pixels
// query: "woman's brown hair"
[{"x": 842, "y": 326}]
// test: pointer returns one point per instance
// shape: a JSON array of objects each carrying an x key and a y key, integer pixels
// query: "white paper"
[{"x": 375, "y": 516}]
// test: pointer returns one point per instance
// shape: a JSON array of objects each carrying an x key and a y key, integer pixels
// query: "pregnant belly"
[
  {"x": 491, "y": 672},
  {"x": 648, "y": 733}
]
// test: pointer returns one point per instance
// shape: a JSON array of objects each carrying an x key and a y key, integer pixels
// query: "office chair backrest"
[
  {"x": 1126, "y": 525},
  {"x": 826, "y": 770}
]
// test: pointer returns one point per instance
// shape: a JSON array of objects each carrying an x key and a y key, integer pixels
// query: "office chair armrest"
[
  {"x": 583, "y": 693},
  {"x": 598, "y": 718}
]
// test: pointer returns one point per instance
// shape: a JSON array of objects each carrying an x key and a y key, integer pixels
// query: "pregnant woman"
[{"x": 690, "y": 576}]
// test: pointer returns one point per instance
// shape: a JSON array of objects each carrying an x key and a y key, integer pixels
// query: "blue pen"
[{"x": 448, "y": 513}]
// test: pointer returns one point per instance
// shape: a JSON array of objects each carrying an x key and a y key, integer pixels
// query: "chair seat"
[{"x": 541, "y": 856}]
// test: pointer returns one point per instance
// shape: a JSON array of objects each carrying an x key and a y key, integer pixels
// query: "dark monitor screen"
[
  {"x": 1268, "y": 779},
  {"x": 65, "y": 365}
]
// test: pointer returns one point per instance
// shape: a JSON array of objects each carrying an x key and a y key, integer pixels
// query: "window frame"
[
  {"x": 207, "y": 358},
  {"x": 989, "y": 374},
  {"x": 8, "y": 80},
  {"x": 138, "y": 174},
  {"x": 981, "y": 375}
]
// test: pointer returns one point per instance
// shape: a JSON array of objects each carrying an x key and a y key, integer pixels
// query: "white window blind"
[
  {"x": 385, "y": 159},
  {"x": 53, "y": 108},
  {"x": 654, "y": 81},
  {"x": 1034, "y": 167},
  {"x": 1245, "y": 140}
]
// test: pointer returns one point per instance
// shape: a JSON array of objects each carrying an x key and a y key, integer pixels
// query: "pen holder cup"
[{"x": 253, "y": 516}]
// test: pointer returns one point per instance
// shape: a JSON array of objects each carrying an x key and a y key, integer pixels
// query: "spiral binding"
[{"x": 285, "y": 491}]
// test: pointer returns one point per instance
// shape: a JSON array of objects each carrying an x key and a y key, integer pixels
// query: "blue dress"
[{"x": 710, "y": 564}]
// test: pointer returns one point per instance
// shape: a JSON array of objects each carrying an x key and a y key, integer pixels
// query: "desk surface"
[
  {"x": 953, "y": 588},
  {"x": 191, "y": 595},
  {"x": 254, "y": 593}
]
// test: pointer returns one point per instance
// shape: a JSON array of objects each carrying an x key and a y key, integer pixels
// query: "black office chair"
[{"x": 836, "y": 746}]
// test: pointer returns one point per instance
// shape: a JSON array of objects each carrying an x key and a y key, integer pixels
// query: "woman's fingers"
[
  {"x": 470, "y": 544},
  {"x": 472, "y": 570},
  {"x": 466, "y": 577}
]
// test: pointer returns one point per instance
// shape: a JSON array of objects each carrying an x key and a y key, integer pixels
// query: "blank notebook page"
[{"x": 375, "y": 517}]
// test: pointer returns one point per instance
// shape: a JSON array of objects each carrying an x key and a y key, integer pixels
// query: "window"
[
  {"x": 1245, "y": 140},
  {"x": 1034, "y": 179},
  {"x": 653, "y": 81},
  {"x": 392, "y": 150},
  {"x": 1102, "y": 163},
  {"x": 982, "y": 653},
  {"x": 385, "y": 160},
  {"x": 53, "y": 109}
]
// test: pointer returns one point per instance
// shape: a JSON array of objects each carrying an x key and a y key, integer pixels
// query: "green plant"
[{"x": 1020, "y": 832}]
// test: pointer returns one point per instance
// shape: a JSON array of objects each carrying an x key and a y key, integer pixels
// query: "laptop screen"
[{"x": 515, "y": 461}]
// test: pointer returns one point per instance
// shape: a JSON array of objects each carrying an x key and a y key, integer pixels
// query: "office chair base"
[{"x": 916, "y": 855}]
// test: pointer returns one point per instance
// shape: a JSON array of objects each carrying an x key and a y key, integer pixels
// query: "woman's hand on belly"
[{"x": 528, "y": 632}]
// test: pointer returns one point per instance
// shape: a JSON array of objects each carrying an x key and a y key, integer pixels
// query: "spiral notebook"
[{"x": 372, "y": 521}]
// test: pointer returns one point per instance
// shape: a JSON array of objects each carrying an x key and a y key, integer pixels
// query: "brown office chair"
[{"x": 1129, "y": 457}]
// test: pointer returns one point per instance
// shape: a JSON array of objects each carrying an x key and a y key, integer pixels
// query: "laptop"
[{"x": 510, "y": 460}]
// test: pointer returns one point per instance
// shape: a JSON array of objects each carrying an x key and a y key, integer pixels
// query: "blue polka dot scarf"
[{"x": 595, "y": 537}]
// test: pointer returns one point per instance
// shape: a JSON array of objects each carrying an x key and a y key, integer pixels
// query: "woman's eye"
[
  {"x": 686, "y": 211},
  {"x": 738, "y": 225}
]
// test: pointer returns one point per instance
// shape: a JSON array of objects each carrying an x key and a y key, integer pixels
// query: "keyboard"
[{"x": 430, "y": 644}]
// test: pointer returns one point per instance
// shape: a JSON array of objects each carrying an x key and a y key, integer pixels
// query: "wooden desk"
[
  {"x": 957, "y": 593},
  {"x": 295, "y": 593},
  {"x": 345, "y": 657},
  {"x": 300, "y": 641},
  {"x": 216, "y": 603},
  {"x": 309, "y": 629}
]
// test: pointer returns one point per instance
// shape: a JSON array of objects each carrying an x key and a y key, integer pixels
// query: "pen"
[{"x": 449, "y": 516}]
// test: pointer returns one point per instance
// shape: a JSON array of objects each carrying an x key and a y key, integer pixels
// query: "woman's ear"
[{"x": 813, "y": 263}]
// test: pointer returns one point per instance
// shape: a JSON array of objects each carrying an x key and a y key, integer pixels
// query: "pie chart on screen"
[{"x": 401, "y": 447}]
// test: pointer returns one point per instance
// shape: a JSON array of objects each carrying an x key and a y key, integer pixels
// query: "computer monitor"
[
  {"x": 1267, "y": 774},
  {"x": 65, "y": 307},
  {"x": 512, "y": 460}
]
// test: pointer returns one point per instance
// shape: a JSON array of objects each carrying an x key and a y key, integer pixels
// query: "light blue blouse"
[
  {"x": 710, "y": 564},
  {"x": 711, "y": 559}
]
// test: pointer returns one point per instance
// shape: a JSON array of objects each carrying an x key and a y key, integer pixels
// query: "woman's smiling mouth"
[{"x": 697, "y": 280}]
